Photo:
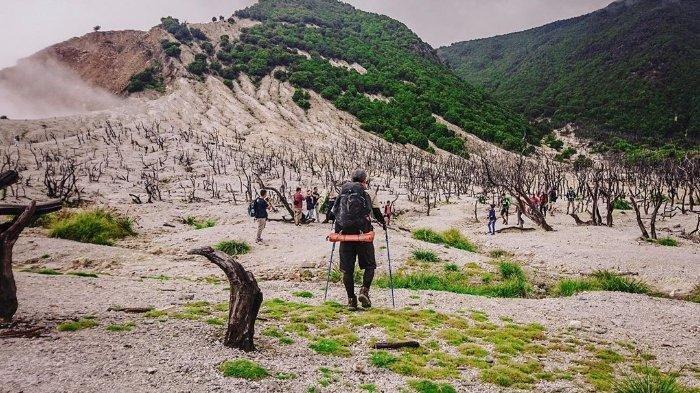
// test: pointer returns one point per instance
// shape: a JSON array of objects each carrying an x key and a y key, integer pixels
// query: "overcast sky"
[{"x": 30, "y": 25}]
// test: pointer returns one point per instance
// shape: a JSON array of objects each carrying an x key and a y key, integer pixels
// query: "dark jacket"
[{"x": 260, "y": 208}]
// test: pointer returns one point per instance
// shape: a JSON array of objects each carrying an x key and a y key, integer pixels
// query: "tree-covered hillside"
[
  {"x": 629, "y": 70},
  {"x": 399, "y": 65}
]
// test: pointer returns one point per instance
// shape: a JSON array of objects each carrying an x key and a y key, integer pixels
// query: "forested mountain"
[
  {"x": 403, "y": 86},
  {"x": 629, "y": 70}
]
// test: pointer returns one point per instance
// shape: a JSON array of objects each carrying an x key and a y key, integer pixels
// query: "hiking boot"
[
  {"x": 364, "y": 298},
  {"x": 352, "y": 304}
]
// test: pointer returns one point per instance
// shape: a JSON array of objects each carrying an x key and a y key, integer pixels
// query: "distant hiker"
[
  {"x": 298, "y": 200},
  {"x": 535, "y": 201},
  {"x": 492, "y": 219},
  {"x": 317, "y": 200},
  {"x": 260, "y": 209},
  {"x": 388, "y": 212},
  {"x": 330, "y": 201},
  {"x": 352, "y": 210},
  {"x": 544, "y": 200},
  {"x": 505, "y": 207},
  {"x": 310, "y": 205},
  {"x": 552, "y": 200},
  {"x": 570, "y": 198},
  {"x": 519, "y": 216}
]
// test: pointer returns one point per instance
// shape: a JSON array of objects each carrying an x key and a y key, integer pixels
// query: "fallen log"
[
  {"x": 580, "y": 222},
  {"x": 396, "y": 345},
  {"x": 515, "y": 229},
  {"x": 130, "y": 310},
  {"x": 244, "y": 302}
]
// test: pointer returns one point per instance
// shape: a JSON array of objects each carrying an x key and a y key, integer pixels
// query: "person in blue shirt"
[{"x": 492, "y": 220}]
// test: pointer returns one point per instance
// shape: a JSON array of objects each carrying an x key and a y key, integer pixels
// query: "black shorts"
[
  {"x": 504, "y": 210},
  {"x": 361, "y": 251}
]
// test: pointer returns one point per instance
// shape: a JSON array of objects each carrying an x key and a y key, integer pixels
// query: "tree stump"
[
  {"x": 9, "y": 232},
  {"x": 244, "y": 302}
]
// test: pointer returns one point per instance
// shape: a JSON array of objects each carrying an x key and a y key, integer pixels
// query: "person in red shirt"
[
  {"x": 388, "y": 211},
  {"x": 298, "y": 200}
]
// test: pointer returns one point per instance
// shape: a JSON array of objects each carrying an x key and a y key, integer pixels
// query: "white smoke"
[{"x": 38, "y": 88}]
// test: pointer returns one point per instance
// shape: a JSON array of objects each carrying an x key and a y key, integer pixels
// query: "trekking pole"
[
  {"x": 391, "y": 278},
  {"x": 328, "y": 277}
]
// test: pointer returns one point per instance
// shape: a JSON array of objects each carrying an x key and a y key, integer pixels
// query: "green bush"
[
  {"x": 149, "y": 78},
  {"x": 649, "y": 383},
  {"x": 426, "y": 386},
  {"x": 382, "y": 359},
  {"x": 451, "y": 237},
  {"x": 197, "y": 223},
  {"x": 304, "y": 294},
  {"x": 72, "y": 326},
  {"x": 179, "y": 30},
  {"x": 199, "y": 66},
  {"x": 425, "y": 256},
  {"x": 621, "y": 204},
  {"x": 451, "y": 267},
  {"x": 667, "y": 241},
  {"x": 233, "y": 247},
  {"x": 301, "y": 97},
  {"x": 601, "y": 280},
  {"x": 171, "y": 49},
  {"x": 243, "y": 368},
  {"x": 93, "y": 226}
]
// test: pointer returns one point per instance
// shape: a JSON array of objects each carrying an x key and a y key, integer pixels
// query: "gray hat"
[{"x": 359, "y": 175}]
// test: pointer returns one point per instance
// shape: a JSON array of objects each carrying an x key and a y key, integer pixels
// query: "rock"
[
  {"x": 189, "y": 296},
  {"x": 308, "y": 265},
  {"x": 489, "y": 359},
  {"x": 601, "y": 330},
  {"x": 360, "y": 368},
  {"x": 151, "y": 370},
  {"x": 574, "y": 324}
]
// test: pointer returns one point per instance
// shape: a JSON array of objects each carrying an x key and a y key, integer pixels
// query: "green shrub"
[
  {"x": 179, "y": 30},
  {"x": 123, "y": 327},
  {"x": 83, "y": 274},
  {"x": 451, "y": 237},
  {"x": 149, "y": 78},
  {"x": 233, "y": 247},
  {"x": 243, "y": 368},
  {"x": 621, "y": 204},
  {"x": 304, "y": 294},
  {"x": 301, "y": 97},
  {"x": 329, "y": 346},
  {"x": 648, "y": 383},
  {"x": 425, "y": 256},
  {"x": 511, "y": 270},
  {"x": 49, "y": 272},
  {"x": 197, "y": 223},
  {"x": 171, "y": 49},
  {"x": 72, "y": 326},
  {"x": 667, "y": 241},
  {"x": 451, "y": 267},
  {"x": 601, "y": 280},
  {"x": 382, "y": 359},
  {"x": 426, "y": 386},
  {"x": 93, "y": 226}
]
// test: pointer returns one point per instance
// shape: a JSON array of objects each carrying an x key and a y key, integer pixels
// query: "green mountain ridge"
[
  {"x": 400, "y": 67},
  {"x": 629, "y": 70}
]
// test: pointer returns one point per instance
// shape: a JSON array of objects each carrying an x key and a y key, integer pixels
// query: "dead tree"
[
  {"x": 9, "y": 232},
  {"x": 244, "y": 301}
]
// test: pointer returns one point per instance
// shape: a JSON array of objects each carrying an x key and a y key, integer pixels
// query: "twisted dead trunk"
[{"x": 244, "y": 301}]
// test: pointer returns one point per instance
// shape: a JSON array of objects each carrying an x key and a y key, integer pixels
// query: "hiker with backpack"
[
  {"x": 352, "y": 209},
  {"x": 492, "y": 219},
  {"x": 505, "y": 208},
  {"x": 317, "y": 202},
  {"x": 260, "y": 208},
  {"x": 298, "y": 203},
  {"x": 570, "y": 201}
]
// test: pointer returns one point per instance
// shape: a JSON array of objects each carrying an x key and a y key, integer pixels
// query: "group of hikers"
[
  {"x": 351, "y": 212},
  {"x": 543, "y": 202}
]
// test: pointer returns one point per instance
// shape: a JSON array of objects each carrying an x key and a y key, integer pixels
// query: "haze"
[{"x": 30, "y": 25}]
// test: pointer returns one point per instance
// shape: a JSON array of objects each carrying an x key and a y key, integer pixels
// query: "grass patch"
[
  {"x": 425, "y": 386},
  {"x": 382, "y": 359},
  {"x": 94, "y": 226},
  {"x": 199, "y": 223},
  {"x": 601, "y": 280},
  {"x": 80, "y": 324},
  {"x": 499, "y": 253},
  {"x": 243, "y": 368},
  {"x": 83, "y": 274},
  {"x": 425, "y": 256},
  {"x": 49, "y": 272},
  {"x": 368, "y": 387},
  {"x": 304, "y": 294},
  {"x": 216, "y": 321},
  {"x": 650, "y": 381},
  {"x": 452, "y": 238},
  {"x": 155, "y": 313},
  {"x": 667, "y": 241},
  {"x": 121, "y": 327},
  {"x": 512, "y": 282},
  {"x": 329, "y": 346},
  {"x": 233, "y": 247},
  {"x": 451, "y": 267}
]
